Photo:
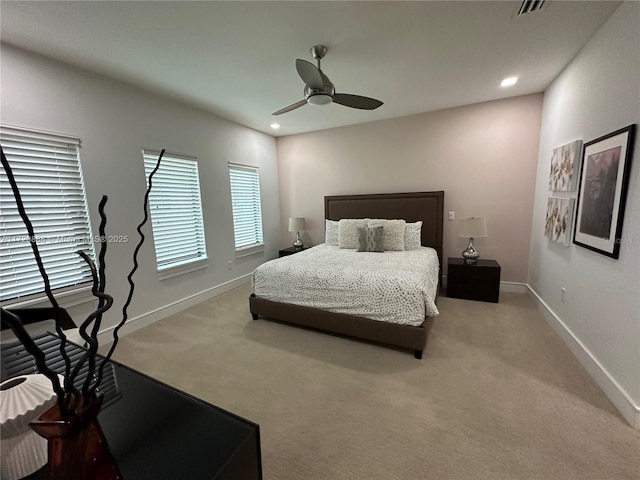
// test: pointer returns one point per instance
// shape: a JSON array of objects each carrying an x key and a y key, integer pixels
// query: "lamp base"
[
  {"x": 297, "y": 244},
  {"x": 470, "y": 254}
]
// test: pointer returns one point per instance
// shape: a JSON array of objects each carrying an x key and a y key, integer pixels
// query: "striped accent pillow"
[{"x": 370, "y": 239}]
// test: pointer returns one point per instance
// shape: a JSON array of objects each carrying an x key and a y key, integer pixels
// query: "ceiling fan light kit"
[
  {"x": 319, "y": 90},
  {"x": 319, "y": 99}
]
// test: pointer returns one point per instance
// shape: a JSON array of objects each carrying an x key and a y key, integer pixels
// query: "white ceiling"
[{"x": 236, "y": 59}]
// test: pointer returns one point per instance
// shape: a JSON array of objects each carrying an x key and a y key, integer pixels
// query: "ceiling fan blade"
[
  {"x": 290, "y": 107},
  {"x": 309, "y": 73},
  {"x": 356, "y": 101}
]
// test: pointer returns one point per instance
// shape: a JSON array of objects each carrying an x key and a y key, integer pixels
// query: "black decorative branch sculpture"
[{"x": 69, "y": 399}]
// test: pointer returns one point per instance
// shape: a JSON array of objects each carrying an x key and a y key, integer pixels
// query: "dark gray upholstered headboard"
[{"x": 412, "y": 207}]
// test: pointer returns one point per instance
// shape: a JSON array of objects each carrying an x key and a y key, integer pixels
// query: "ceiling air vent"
[{"x": 529, "y": 6}]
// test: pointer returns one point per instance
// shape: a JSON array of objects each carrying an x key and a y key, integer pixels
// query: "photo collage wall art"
[{"x": 563, "y": 178}]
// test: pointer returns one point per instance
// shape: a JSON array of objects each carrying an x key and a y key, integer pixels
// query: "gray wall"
[
  {"x": 483, "y": 156},
  {"x": 598, "y": 93},
  {"x": 114, "y": 121}
]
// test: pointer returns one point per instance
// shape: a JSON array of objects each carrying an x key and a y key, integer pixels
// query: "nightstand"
[
  {"x": 290, "y": 251},
  {"x": 480, "y": 281}
]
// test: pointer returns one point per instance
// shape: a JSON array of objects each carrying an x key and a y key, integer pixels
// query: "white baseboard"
[
  {"x": 513, "y": 287},
  {"x": 618, "y": 396},
  {"x": 105, "y": 336}
]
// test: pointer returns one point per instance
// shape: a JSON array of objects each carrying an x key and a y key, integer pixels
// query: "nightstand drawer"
[
  {"x": 290, "y": 251},
  {"x": 474, "y": 282}
]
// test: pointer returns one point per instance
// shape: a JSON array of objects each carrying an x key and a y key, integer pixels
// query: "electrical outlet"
[
  {"x": 229, "y": 264},
  {"x": 563, "y": 294},
  {"x": 452, "y": 216}
]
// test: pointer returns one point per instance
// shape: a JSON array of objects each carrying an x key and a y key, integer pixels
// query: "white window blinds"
[
  {"x": 47, "y": 170},
  {"x": 245, "y": 202},
  {"x": 176, "y": 209}
]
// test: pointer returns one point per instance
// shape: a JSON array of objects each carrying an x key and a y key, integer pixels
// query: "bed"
[{"x": 427, "y": 207}]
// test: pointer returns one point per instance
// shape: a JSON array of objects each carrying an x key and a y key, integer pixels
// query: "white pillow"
[
  {"x": 393, "y": 238},
  {"x": 331, "y": 232},
  {"x": 413, "y": 236},
  {"x": 348, "y": 231}
]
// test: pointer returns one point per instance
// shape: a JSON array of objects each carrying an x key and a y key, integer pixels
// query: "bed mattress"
[{"x": 395, "y": 287}]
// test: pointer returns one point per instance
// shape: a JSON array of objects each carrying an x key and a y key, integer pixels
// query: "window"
[
  {"x": 176, "y": 213},
  {"x": 247, "y": 212},
  {"x": 47, "y": 170}
]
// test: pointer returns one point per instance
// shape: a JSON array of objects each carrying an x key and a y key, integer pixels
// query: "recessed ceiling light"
[
  {"x": 509, "y": 81},
  {"x": 275, "y": 125}
]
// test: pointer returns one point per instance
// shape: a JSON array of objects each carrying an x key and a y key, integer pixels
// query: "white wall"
[
  {"x": 598, "y": 93},
  {"x": 114, "y": 121},
  {"x": 483, "y": 156}
]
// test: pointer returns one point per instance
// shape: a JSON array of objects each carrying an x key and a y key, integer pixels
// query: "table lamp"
[
  {"x": 296, "y": 224},
  {"x": 472, "y": 227}
]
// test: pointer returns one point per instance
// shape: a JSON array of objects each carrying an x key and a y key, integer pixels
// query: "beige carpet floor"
[{"x": 496, "y": 396}]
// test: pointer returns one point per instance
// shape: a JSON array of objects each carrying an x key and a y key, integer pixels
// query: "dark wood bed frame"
[{"x": 412, "y": 207}]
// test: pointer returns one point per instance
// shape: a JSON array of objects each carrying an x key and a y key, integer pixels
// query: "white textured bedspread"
[{"x": 396, "y": 287}]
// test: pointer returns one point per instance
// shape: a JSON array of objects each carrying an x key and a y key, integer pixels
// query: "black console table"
[{"x": 157, "y": 432}]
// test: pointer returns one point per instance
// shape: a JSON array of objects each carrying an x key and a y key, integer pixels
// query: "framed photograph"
[
  {"x": 565, "y": 161},
  {"x": 606, "y": 162},
  {"x": 557, "y": 226}
]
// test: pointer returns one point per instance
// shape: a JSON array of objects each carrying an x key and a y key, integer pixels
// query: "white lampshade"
[
  {"x": 297, "y": 224},
  {"x": 472, "y": 227}
]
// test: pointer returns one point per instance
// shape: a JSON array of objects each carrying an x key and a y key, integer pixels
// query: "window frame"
[
  {"x": 42, "y": 161},
  {"x": 258, "y": 245},
  {"x": 164, "y": 184}
]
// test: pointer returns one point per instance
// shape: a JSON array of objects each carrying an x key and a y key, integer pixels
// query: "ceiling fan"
[{"x": 319, "y": 90}]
